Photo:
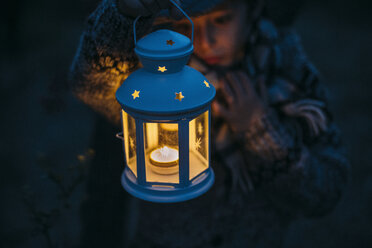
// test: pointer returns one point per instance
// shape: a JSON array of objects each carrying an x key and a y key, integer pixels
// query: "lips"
[{"x": 212, "y": 60}]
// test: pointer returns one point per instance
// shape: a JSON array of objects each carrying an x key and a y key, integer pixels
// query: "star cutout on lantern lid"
[
  {"x": 170, "y": 42},
  {"x": 206, "y": 84},
  {"x": 135, "y": 94},
  {"x": 179, "y": 96},
  {"x": 162, "y": 68}
]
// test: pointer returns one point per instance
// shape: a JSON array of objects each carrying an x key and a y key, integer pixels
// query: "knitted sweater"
[{"x": 288, "y": 164}]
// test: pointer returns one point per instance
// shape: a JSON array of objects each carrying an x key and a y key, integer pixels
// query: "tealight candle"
[{"x": 164, "y": 160}]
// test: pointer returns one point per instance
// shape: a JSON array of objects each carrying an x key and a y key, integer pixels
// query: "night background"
[{"x": 46, "y": 141}]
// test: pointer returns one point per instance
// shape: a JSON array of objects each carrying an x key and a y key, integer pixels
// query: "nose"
[{"x": 204, "y": 37}]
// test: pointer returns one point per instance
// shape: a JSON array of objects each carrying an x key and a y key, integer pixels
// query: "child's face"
[{"x": 219, "y": 35}]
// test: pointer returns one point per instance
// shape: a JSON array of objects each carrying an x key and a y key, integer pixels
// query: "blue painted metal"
[
  {"x": 198, "y": 187},
  {"x": 141, "y": 170},
  {"x": 156, "y": 101},
  {"x": 157, "y": 92},
  {"x": 165, "y": 118},
  {"x": 183, "y": 135},
  {"x": 164, "y": 44}
]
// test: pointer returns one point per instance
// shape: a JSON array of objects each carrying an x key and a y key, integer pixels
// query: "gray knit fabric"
[{"x": 289, "y": 164}]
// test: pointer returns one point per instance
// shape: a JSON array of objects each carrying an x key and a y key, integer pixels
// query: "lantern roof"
[
  {"x": 165, "y": 94},
  {"x": 164, "y": 44}
]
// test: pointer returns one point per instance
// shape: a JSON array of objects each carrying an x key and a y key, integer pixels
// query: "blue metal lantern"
[{"x": 166, "y": 118}]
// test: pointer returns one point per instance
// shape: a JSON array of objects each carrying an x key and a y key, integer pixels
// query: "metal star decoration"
[
  {"x": 206, "y": 84},
  {"x": 170, "y": 42},
  {"x": 179, "y": 96},
  {"x": 162, "y": 68},
  {"x": 135, "y": 94}
]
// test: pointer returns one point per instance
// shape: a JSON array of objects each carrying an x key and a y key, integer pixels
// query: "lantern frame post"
[
  {"x": 141, "y": 170},
  {"x": 183, "y": 144}
]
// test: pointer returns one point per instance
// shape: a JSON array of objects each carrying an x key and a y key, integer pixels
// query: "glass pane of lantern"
[
  {"x": 130, "y": 144},
  {"x": 199, "y": 144},
  {"x": 161, "y": 152}
]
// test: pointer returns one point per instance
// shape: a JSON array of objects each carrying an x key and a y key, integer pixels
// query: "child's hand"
[
  {"x": 134, "y": 8},
  {"x": 243, "y": 103}
]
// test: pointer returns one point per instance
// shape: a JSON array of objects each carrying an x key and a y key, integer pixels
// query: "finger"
[
  {"x": 235, "y": 84},
  {"x": 220, "y": 110},
  {"x": 175, "y": 12},
  {"x": 262, "y": 88},
  {"x": 151, "y": 6},
  {"x": 215, "y": 110},
  {"x": 246, "y": 82},
  {"x": 227, "y": 92}
]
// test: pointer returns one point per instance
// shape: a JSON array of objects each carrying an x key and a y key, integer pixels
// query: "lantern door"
[
  {"x": 199, "y": 145},
  {"x": 130, "y": 142}
]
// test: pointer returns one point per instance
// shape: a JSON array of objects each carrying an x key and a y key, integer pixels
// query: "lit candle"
[{"x": 164, "y": 160}]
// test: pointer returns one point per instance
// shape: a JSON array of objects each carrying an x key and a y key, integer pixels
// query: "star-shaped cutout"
[
  {"x": 200, "y": 128},
  {"x": 135, "y": 94},
  {"x": 170, "y": 42},
  {"x": 131, "y": 143},
  {"x": 162, "y": 68},
  {"x": 197, "y": 144},
  {"x": 206, "y": 84},
  {"x": 179, "y": 96}
]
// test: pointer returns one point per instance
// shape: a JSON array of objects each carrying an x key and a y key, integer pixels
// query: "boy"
[{"x": 275, "y": 150}]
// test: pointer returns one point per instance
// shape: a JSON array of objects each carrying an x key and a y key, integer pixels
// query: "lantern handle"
[{"x": 179, "y": 8}]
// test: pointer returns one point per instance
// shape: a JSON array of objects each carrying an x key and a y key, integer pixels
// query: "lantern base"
[{"x": 164, "y": 194}]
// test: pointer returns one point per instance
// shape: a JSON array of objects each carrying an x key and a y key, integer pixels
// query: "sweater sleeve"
[
  {"x": 297, "y": 141},
  {"x": 299, "y": 176},
  {"x": 105, "y": 58}
]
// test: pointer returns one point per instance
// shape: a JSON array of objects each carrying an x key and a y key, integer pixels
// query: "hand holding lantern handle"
[{"x": 177, "y": 16}]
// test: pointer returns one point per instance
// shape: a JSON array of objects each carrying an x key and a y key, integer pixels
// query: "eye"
[{"x": 223, "y": 19}]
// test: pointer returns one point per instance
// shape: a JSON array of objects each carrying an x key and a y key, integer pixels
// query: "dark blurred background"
[{"x": 45, "y": 145}]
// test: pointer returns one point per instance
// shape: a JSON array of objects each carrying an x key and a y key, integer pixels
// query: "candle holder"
[{"x": 166, "y": 112}]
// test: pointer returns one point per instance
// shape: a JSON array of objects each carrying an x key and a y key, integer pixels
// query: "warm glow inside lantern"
[
  {"x": 166, "y": 122},
  {"x": 161, "y": 148}
]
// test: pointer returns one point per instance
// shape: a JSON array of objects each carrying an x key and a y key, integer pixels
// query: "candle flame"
[{"x": 164, "y": 151}]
